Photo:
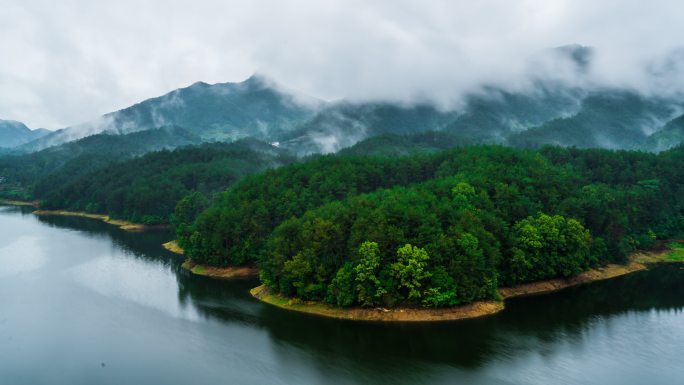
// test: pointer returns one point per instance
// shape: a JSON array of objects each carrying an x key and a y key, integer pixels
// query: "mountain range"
[
  {"x": 13, "y": 133},
  {"x": 549, "y": 112}
]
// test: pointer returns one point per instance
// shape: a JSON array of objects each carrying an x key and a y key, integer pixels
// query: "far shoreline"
[
  {"x": 638, "y": 261},
  {"x": 14, "y": 202},
  {"x": 122, "y": 224}
]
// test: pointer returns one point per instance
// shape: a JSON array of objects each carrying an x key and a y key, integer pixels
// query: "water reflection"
[{"x": 11, "y": 264}]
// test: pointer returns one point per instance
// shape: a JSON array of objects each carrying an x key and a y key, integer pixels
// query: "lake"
[{"x": 83, "y": 302}]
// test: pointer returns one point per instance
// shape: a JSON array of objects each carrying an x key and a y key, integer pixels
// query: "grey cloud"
[{"x": 66, "y": 62}]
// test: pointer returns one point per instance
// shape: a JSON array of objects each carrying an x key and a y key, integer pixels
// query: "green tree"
[
  {"x": 411, "y": 269},
  {"x": 367, "y": 283},
  {"x": 187, "y": 209},
  {"x": 341, "y": 288},
  {"x": 463, "y": 194},
  {"x": 547, "y": 246},
  {"x": 298, "y": 271},
  {"x": 442, "y": 291}
]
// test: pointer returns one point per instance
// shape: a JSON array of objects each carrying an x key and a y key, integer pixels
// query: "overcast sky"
[{"x": 64, "y": 62}]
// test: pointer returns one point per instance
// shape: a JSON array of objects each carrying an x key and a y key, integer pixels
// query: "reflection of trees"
[
  {"x": 659, "y": 288},
  {"x": 227, "y": 300},
  {"x": 522, "y": 327},
  {"x": 146, "y": 246}
]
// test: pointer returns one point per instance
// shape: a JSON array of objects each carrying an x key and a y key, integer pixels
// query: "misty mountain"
[
  {"x": 343, "y": 124},
  {"x": 13, "y": 133},
  {"x": 669, "y": 136},
  {"x": 125, "y": 145},
  {"x": 90, "y": 153},
  {"x": 607, "y": 119},
  {"x": 496, "y": 114},
  {"x": 255, "y": 107},
  {"x": 491, "y": 116},
  {"x": 392, "y": 145},
  {"x": 542, "y": 111},
  {"x": 579, "y": 56},
  {"x": 552, "y": 114}
]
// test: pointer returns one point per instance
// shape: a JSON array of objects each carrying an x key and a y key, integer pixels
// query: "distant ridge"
[
  {"x": 13, "y": 133},
  {"x": 226, "y": 111}
]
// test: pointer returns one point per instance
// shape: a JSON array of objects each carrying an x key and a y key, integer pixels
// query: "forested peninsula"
[{"x": 439, "y": 230}]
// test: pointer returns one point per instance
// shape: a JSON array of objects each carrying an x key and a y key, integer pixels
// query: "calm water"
[{"x": 82, "y": 302}]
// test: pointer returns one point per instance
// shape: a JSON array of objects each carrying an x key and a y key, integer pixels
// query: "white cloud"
[{"x": 66, "y": 62}]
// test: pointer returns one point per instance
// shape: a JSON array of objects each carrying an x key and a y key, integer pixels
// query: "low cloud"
[{"x": 69, "y": 62}]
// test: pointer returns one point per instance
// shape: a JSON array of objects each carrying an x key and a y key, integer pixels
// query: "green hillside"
[{"x": 337, "y": 229}]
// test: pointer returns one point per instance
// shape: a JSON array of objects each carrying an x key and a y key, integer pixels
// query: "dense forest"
[
  {"x": 439, "y": 229},
  {"x": 22, "y": 172},
  {"x": 98, "y": 175},
  {"x": 392, "y": 145}
]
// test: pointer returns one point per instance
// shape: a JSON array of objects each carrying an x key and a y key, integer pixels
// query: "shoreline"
[
  {"x": 14, "y": 202},
  {"x": 638, "y": 261},
  {"x": 173, "y": 247},
  {"x": 231, "y": 272},
  {"x": 122, "y": 224},
  {"x": 555, "y": 284},
  {"x": 400, "y": 314}
]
